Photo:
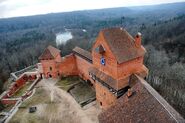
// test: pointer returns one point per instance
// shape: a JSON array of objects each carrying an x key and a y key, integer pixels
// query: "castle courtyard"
[{"x": 55, "y": 105}]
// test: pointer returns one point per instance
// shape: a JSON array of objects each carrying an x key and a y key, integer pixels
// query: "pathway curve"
[{"x": 68, "y": 106}]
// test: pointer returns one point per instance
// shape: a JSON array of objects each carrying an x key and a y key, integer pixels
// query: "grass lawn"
[
  {"x": 67, "y": 82},
  {"x": 7, "y": 108},
  {"x": 22, "y": 90},
  {"x": 82, "y": 92},
  {"x": 23, "y": 116},
  {"x": 40, "y": 96}
]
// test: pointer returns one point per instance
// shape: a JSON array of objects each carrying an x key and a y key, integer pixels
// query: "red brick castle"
[
  {"x": 115, "y": 56},
  {"x": 115, "y": 69}
]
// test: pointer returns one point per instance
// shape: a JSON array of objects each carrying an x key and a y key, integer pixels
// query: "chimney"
[
  {"x": 138, "y": 40},
  {"x": 129, "y": 93}
]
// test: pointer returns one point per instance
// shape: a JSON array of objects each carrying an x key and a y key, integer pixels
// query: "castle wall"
[
  {"x": 83, "y": 66},
  {"x": 49, "y": 68},
  {"x": 104, "y": 97},
  {"x": 8, "y": 101},
  {"x": 58, "y": 58},
  {"x": 129, "y": 67},
  {"x": 126, "y": 69},
  {"x": 68, "y": 66}
]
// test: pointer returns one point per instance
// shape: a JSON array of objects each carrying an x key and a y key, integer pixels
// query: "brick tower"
[{"x": 116, "y": 56}]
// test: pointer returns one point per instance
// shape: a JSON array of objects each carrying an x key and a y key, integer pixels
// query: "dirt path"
[{"x": 66, "y": 109}]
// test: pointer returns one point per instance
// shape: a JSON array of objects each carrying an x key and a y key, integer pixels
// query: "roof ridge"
[
  {"x": 83, "y": 53},
  {"x": 49, "y": 53},
  {"x": 171, "y": 111},
  {"x": 121, "y": 44}
]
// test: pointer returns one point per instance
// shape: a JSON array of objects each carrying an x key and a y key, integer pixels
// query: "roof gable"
[
  {"x": 122, "y": 44},
  {"x": 100, "y": 41},
  {"x": 49, "y": 53}
]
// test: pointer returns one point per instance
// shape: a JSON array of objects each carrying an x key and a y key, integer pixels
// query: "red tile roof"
[
  {"x": 105, "y": 78},
  {"x": 83, "y": 53},
  {"x": 49, "y": 53},
  {"x": 122, "y": 44},
  {"x": 144, "y": 106}
]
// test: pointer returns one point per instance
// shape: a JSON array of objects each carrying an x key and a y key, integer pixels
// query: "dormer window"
[{"x": 100, "y": 49}]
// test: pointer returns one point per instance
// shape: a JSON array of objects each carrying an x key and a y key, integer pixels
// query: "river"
[{"x": 62, "y": 38}]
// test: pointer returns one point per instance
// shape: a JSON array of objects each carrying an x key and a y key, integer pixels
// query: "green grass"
[
  {"x": 23, "y": 116},
  {"x": 7, "y": 108},
  {"x": 22, "y": 90},
  {"x": 67, "y": 82},
  {"x": 39, "y": 97},
  {"x": 82, "y": 92}
]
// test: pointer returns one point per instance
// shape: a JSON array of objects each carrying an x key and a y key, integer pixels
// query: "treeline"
[
  {"x": 22, "y": 40},
  {"x": 168, "y": 35},
  {"x": 22, "y": 50},
  {"x": 168, "y": 79}
]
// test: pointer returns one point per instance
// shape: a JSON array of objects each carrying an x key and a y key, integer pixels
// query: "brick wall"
[
  {"x": 49, "y": 68},
  {"x": 104, "y": 97},
  {"x": 68, "y": 66},
  {"x": 8, "y": 101},
  {"x": 110, "y": 67},
  {"x": 83, "y": 66}
]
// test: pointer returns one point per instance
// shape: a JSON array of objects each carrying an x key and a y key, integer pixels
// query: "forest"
[{"x": 23, "y": 39}]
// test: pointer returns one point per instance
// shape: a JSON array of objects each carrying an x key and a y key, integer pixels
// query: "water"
[
  {"x": 62, "y": 38},
  {"x": 84, "y": 30}
]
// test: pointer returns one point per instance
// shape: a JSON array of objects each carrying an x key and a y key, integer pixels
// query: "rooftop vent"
[
  {"x": 138, "y": 40},
  {"x": 129, "y": 93}
]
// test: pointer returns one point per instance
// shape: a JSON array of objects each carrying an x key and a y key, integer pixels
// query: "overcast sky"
[{"x": 13, "y": 8}]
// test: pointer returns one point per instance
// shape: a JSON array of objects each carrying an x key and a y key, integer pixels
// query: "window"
[{"x": 50, "y": 68}]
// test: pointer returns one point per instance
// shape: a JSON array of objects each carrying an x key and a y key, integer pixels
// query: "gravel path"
[{"x": 64, "y": 107}]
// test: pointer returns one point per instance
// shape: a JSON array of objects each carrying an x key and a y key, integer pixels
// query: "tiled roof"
[
  {"x": 49, "y": 53},
  {"x": 105, "y": 78},
  {"x": 122, "y": 44},
  {"x": 83, "y": 53},
  {"x": 144, "y": 106}
]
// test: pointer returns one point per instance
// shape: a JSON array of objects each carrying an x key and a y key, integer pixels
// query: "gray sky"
[{"x": 13, "y": 8}]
